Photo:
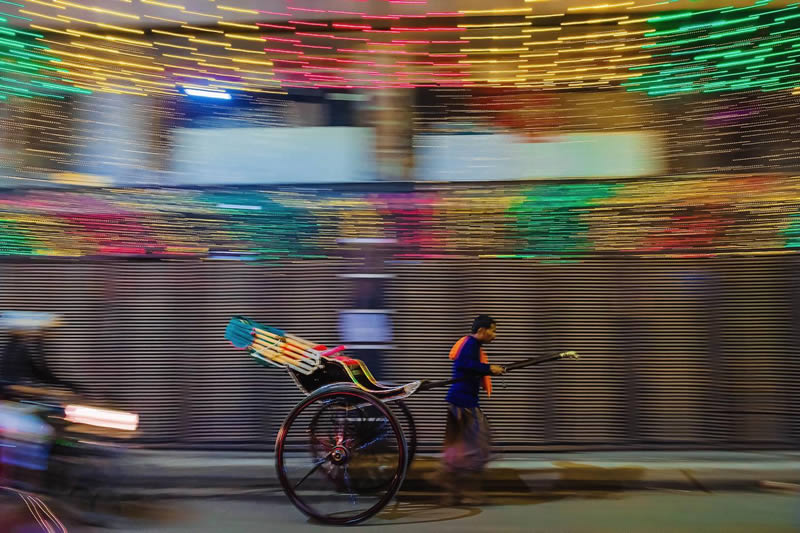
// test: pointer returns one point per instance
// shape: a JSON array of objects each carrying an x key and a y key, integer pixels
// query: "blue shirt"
[{"x": 468, "y": 365}]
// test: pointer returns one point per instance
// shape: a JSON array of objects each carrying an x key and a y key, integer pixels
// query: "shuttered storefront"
[{"x": 677, "y": 352}]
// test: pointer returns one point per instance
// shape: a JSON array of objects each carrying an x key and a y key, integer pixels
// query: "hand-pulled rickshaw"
[{"x": 342, "y": 453}]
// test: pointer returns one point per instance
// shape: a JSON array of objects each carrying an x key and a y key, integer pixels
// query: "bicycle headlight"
[{"x": 106, "y": 418}]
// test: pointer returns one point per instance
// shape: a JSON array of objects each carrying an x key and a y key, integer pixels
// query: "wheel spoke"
[
  {"x": 323, "y": 441},
  {"x": 353, "y": 498},
  {"x": 383, "y": 433},
  {"x": 346, "y": 418},
  {"x": 318, "y": 463}
]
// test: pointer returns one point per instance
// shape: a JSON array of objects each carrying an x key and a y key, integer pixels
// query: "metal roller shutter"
[
  {"x": 77, "y": 290},
  {"x": 676, "y": 352},
  {"x": 758, "y": 327}
]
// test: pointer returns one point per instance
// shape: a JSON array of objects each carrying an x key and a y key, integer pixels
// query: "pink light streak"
[
  {"x": 264, "y": 25},
  {"x": 345, "y": 70},
  {"x": 280, "y": 51},
  {"x": 318, "y": 58},
  {"x": 428, "y": 29},
  {"x": 324, "y": 25},
  {"x": 291, "y": 61},
  {"x": 325, "y": 36},
  {"x": 306, "y": 10},
  {"x": 281, "y": 39},
  {"x": 352, "y": 26}
]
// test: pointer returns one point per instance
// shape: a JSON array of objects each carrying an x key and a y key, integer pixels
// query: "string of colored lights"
[
  {"x": 401, "y": 44},
  {"x": 27, "y": 67},
  {"x": 720, "y": 50},
  {"x": 660, "y": 216}
]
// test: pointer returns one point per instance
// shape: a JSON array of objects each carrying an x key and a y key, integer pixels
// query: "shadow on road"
[{"x": 423, "y": 508}]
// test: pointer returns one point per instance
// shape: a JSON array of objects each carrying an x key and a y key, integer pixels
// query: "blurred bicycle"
[{"x": 53, "y": 443}]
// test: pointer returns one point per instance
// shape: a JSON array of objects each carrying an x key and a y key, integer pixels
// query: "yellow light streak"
[
  {"x": 53, "y": 30},
  {"x": 599, "y": 6},
  {"x": 47, "y": 4},
  {"x": 633, "y": 21},
  {"x": 190, "y": 27},
  {"x": 201, "y": 14},
  {"x": 172, "y": 34},
  {"x": 101, "y": 24},
  {"x": 212, "y": 43},
  {"x": 258, "y": 52},
  {"x": 252, "y": 61},
  {"x": 594, "y": 21},
  {"x": 237, "y": 9},
  {"x": 35, "y": 14},
  {"x": 541, "y": 30},
  {"x": 111, "y": 61},
  {"x": 166, "y": 20},
  {"x": 109, "y": 38},
  {"x": 174, "y": 46},
  {"x": 236, "y": 25},
  {"x": 98, "y": 9},
  {"x": 540, "y": 43},
  {"x": 548, "y": 54},
  {"x": 586, "y": 59},
  {"x": 593, "y": 35},
  {"x": 243, "y": 37},
  {"x": 185, "y": 58},
  {"x": 162, "y": 4}
]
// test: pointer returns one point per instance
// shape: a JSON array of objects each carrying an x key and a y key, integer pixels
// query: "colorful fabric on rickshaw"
[{"x": 467, "y": 440}]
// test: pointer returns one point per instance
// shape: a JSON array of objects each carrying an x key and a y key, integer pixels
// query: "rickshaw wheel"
[
  {"x": 371, "y": 479},
  {"x": 341, "y": 455},
  {"x": 409, "y": 428}
]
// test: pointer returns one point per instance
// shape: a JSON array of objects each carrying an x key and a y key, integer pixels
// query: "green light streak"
[
  {"x": 729, "y": 60},
  {"x": 688, "y": 52},
  {"x": 705, "y": 25},
  {"x": 737, "y": 53},
  {"x": 25, "y": 64},
  {"x": 684, "y": 15},
  {"x": 780, "y": 41},
  {"x": 706, "y": 38},
  {"x": 742, "y": 62},
  {"x": 643, "y": 67}
]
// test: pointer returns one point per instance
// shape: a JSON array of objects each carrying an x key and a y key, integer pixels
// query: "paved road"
[{"x": 645, "y": 511}]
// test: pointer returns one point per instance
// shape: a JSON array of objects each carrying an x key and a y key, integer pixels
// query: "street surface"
[{"x": 578, "y": 512}]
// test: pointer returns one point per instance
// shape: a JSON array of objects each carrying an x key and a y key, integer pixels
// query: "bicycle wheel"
[{"x": 341, "y": 455}]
